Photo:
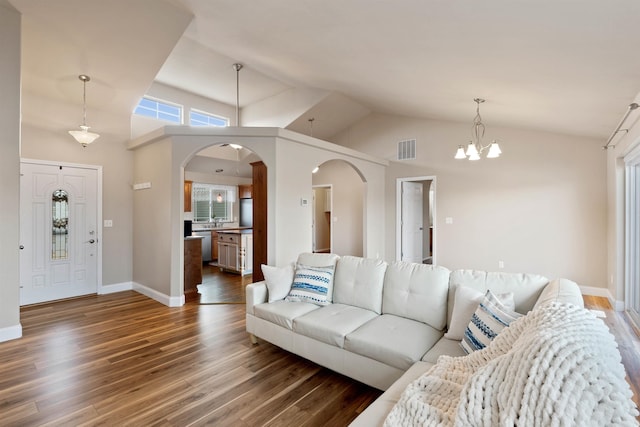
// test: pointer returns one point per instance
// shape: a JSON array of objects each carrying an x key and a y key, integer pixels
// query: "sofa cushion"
[
  {"x": 490, "y": 318},
  {"x": 331, "y": 323},
  {"x": 312, "y": 284},
  {"x": 283, "y": 312},
  {"x": 393, "y": 340},
  {"x": 526, "y": 288},
  {"x": 278, "y": 281},
  {"x": 417, "y": 291},
  {"x": 446, "y": 347},
  {"x": 465, "y": 304},
  {"x": 359, "y": 281}
]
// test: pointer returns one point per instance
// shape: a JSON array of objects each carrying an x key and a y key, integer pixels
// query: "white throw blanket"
[{"x": 557, "y": 366}]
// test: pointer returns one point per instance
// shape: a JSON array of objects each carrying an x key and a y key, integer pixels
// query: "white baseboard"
[
  {"x": 603, "y": 292},
  {"x": 159, "y": 296},
  {"x": 115, "y": 287},
  {"x": 11, "y": 333}
]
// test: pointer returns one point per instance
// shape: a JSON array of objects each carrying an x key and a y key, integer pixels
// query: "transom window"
[
  {"x": 200, "y": 118},
  {"x": 212, "y": 202},
  {"x": 159, "y": 110}
]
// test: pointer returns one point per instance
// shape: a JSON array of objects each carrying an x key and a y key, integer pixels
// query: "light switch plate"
[{"x": 108, "y": 223}]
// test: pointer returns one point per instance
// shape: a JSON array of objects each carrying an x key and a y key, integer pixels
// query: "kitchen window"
[{"x": 212, "y": 202}]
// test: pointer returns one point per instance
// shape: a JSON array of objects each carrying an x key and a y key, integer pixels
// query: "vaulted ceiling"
[{"x": 563, "y": 66}]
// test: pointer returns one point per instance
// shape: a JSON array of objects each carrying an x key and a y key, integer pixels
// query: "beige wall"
[
  {"x": 539, "y": 208},
  {"x": 50, "y": 141},
  {"x": 9, "y": 172},
  {"x": 160, "y": 159}
]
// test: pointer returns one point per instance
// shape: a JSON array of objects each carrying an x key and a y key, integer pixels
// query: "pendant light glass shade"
[
  {"x": 460, "y": 153},
  {"x": 83, "y": 136},
  {"x": 494, "y": 151}
]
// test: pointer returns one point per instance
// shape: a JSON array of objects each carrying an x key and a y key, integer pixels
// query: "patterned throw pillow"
[
  {"x": 490, "y": 318},
  {"x": 311, "y": 284}
]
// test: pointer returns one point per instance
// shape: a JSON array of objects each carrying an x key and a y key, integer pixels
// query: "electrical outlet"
[{"x": 108, "y": 223}]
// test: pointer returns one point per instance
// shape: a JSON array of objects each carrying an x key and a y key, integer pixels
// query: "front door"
[{"x": 58, "y": 232}]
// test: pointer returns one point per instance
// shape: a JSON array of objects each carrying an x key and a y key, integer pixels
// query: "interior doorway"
[
  {"x": 415, "y": 219},
  {"x": 321, "y": 219},
  {"x": 219, "y": 207}
]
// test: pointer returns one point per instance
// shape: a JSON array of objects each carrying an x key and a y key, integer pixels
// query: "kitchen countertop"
[
  {"x": 244, "y": 230},
  {"x": 219, "y": 229},
  {"x": 193, "y": 237}
]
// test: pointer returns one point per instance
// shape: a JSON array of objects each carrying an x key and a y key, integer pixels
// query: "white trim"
[
  {"x": 115, "y": 287},
  {"x": 11, "y": 333},
  {"x": 158, "y": 296},
  {"x": 631, "y": 231},
  {"x": 98, "y": 170},
  {"x": 399, "y": 182}
]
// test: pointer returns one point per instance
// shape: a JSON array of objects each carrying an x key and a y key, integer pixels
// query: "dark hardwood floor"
[
  {"x": 126, "y": 360},
  {"x": 220, "y": 287}
]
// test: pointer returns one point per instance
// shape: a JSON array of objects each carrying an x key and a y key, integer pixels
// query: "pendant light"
[
  {"x": 83, "y": 136},
  {"x": 475, "y": 147}
]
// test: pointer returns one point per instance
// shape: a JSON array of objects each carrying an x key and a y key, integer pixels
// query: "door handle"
[
  {"x": 91, "y": 241},
  {"x": 21, "y": 247}
]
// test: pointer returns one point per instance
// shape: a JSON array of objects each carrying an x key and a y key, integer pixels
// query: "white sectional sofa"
[{"x": 386, "y": 323}]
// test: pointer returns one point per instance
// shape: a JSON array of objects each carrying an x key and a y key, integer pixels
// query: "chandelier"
[
  {"x": 475, "y": 147},
  {"x": 83, "y": 136}
]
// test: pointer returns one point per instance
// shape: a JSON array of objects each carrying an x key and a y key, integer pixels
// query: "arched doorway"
[
  {"x": 338, "y": 209},
  {"x": 219, "y": 207}
]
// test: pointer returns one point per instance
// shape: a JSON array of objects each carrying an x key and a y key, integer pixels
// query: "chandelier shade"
[
  {"x": 475, "y": 147},
  {"x": 83, "y": 136}
]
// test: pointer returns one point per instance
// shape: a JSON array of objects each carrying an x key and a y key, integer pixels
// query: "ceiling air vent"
[{"x": 407, "y": 149}]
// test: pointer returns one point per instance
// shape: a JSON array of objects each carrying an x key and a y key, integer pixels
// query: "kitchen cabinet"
[
  {"x": 245, "y": 191},
  {"x": 187, "y": 195},
  {"x": 235, "y": 251},
  {"x": 192, "y": 264},
  {"x": 214, "y": 245}
]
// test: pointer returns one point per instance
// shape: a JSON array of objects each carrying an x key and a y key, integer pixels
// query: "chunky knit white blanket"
[{"x": 557, "y": 366}]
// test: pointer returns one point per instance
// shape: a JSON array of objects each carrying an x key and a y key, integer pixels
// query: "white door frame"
[
  {"x": 98, "y": 170},
  {"x": 399, "y": 182},
  {"x": 631, "y": 232}
]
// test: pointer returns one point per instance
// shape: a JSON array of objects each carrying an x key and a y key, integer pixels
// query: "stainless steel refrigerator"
[{"x": 246, "y": 213}]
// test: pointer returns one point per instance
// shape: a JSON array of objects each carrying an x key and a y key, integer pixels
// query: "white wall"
[
  {"x": 9, "y": 172},
  {"x": 347, "y": 213},
  {"x": 539, "y": 208}
]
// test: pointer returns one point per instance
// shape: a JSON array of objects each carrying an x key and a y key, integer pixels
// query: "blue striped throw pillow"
[
  {"x": 489, "y": 319},
  {"x": 311, "y": 284}
]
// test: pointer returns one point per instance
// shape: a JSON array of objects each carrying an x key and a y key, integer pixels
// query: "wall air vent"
[{"x": 407, "y": 149}]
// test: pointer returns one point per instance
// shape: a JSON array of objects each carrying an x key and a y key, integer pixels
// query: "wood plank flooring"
[{"x": 126, "y": 360}]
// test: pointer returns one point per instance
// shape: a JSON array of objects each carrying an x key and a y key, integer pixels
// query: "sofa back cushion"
[
  {"x": 526, "y": 288},
  {"x": 418, "y": 292},
  {"x": 358, "y": 282}
]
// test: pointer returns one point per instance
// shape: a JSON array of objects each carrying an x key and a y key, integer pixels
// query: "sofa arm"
[
  {"x": 256, "y": 293},
  {"x": 560, "y": 290}
]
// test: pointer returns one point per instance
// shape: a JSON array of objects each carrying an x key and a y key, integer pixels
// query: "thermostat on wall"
[{"x": 304, "y": 202}]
